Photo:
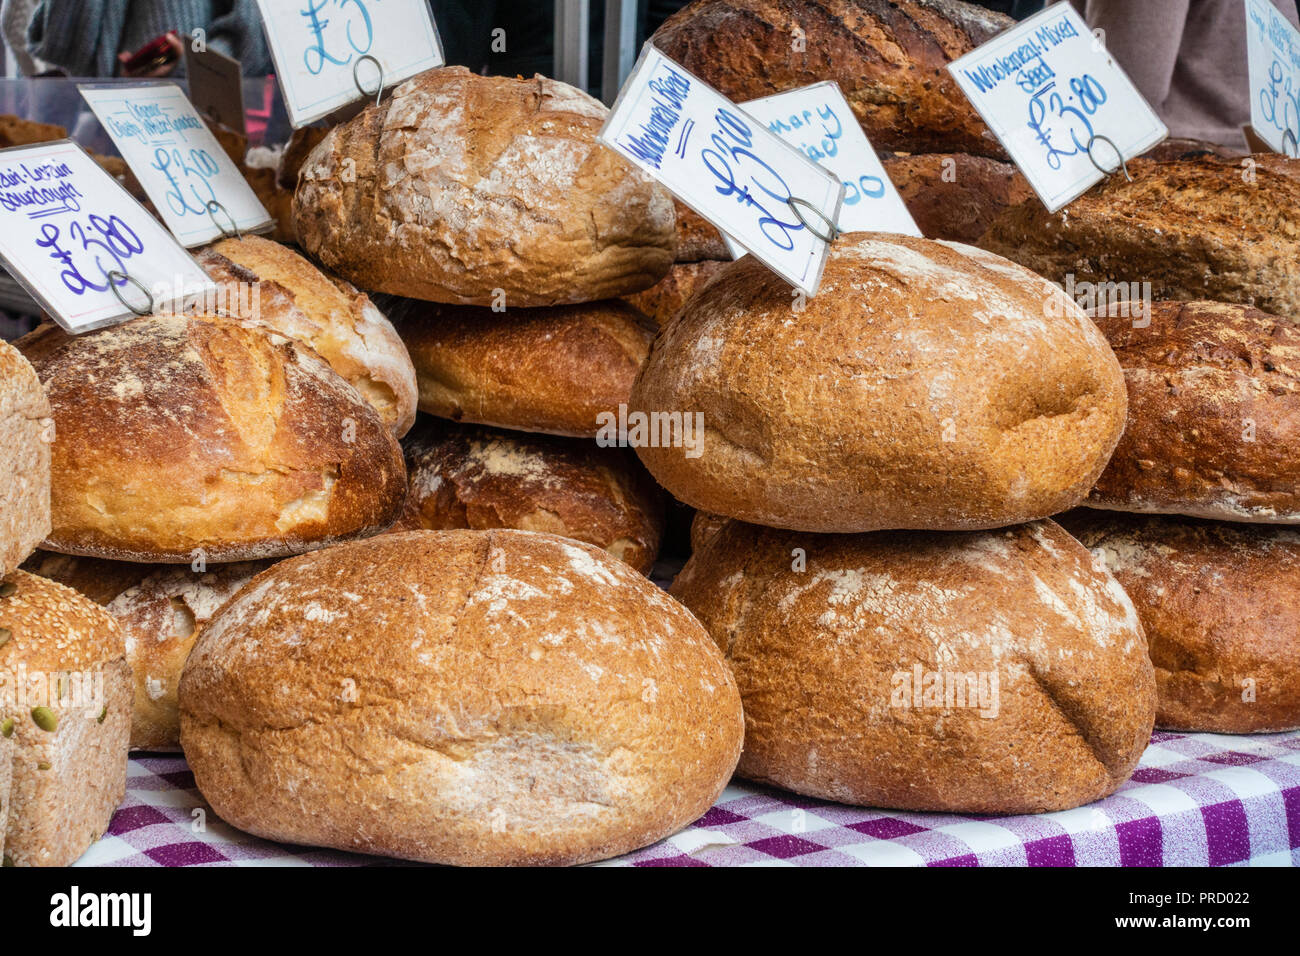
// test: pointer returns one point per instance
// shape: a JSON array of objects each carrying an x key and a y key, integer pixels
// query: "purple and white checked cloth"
[{"x": 1195, "y": 800}]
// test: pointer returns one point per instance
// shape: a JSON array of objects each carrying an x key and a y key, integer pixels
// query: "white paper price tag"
[
  {"x": 82, "y": 246},
  {"x": 1273, "y": 60},
  {"x": 818, "y": 121},
  {"x": 1048, "y": 89},
  {"x": 329, "y": 53},
  {"x": 199, "y": 192},
  {"x": 748, "y": 182}
]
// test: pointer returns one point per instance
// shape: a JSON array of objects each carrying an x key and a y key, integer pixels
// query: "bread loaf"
[
  {"x": 265, "y": 281},
  {"x": 95, "y": 578},
  {"x": 697, "y": 238},
  {"x": 663, "y": 301},
  {"x": 466, "y": 697},
  {"x": 1220, "y": 604},
  {"x": 1214, "y": 420},
  {"x": 65, "y": 701},
  {"x": 998, "y": 672},
  {"x": 184, "y": 437},
  {"x": 465, "y": 189},
  {"x": 703, "y": 527},
  {"x": 25, "y": 435},
  {"x": 956, "y": 196},
  {"x": 928, "y": 385},
  {"x": 539, "y": 370},
  {"x": 889, "y": 58},
  {"x": 472, "y": 477},
  {"x": 1194, "y": 229}
]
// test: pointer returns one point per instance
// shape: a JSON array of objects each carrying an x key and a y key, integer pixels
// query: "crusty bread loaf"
[
  {"x": 665, "y": 299},
  {"x": 997, "y": 672},
  {"x": 467, "y": 697},
  {"x": 697, "y": 238},
  {"x": 69, "y": 718},
  {"x": 1220, "y": 604},
  {"x": 1202, "y": 228},
  {"x": 538, "y": 370},
  {"x": 928, "y": 385},
  {"x": 1214, "y": 414},
  {"x": 465, "y": 476},
  {"x": 956, "y": 196},
  {"x": 26, "y": 430},
  {"x": 185, "y": 437},
  {"x": 465, "y": 189},
  {"x": 889, "y": 58},
  {"x": 265, "y": 281},
  {"x": 300, "y": 145}
]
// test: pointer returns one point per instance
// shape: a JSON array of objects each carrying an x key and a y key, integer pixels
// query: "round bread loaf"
[
  {"x": 661, "y": 302},
  {"x": 928, "y": 385},
  {"x": 1220, "y": 604},
  {"x": 463, "y": 188},
  {"x": 538, "y": 370},
  {"x": 179, "y": 437},
  {"x": 466, "y": 697},
  {"x": 462, "y": 476},
  {"x": 267, "y": 282},
  {"x": 956, "y": 196},
  {"x": 1214, "y": 414},
  {"x": 996, "y": 672}
]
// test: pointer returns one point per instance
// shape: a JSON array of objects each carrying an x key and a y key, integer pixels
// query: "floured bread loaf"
[
  {"x": 1214, "y": 414},
  {"x": 889, "y": 57},
  {"x": 956, "y": 196},
  {"x": 188, "y": 437},
  {"x": 538, "y": 370},
  {"x": 472, "y": 189},
  {"x": 665, "y": 299},
  {"x": 264, "y": 281},
  {"x": 1202, "y": 228},
  {"x": 463, "y": 476},
  {"x": 465, "y": 697},
  {"x": 1220, "y": 604},
  {"x": 996, "y": 672},
  {"x": 26, "y": 430},
  {"x": 928, "y": 385}
]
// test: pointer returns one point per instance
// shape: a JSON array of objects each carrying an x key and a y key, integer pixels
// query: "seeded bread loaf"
[
  {"x": 26, "y": 430},
  {"x": 928, "y": 385},
  {"x": 1214, "y": 414},
  {"x": 665, "y": 299},
  {"x": 548, "y": 370},
  {"x": 997, "y": 672},
  {"x": 465, "y": 189},
  {"x": 1220, "y": 604},
  {"x": 262, "y": 280},
  {"x": 889, "y": 58},
  {"x": 69, "y": 721},
  {"x": 184, "y": 437},
  {"x": 956, "y": 196},
  {"x": 464, "y": 697}
]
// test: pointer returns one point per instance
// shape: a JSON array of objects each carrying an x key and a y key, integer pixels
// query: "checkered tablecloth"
[{"x": 1195, "y": 800}]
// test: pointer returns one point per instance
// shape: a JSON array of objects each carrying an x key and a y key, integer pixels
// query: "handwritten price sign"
[
  {"x": 1049, "y": 91},
  {"x": 188, "y": 176},
  {"x": 755, "y": 187},
  {"x": 1273, "y": 55},
  {"x": 86, "y": 251},
  {"x": 329, "y": 53}
]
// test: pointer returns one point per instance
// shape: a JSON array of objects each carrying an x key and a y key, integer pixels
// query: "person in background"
[
  {"x": 1017, "y": 9},
  {"x": 1188, "y": 58},
  {"x": 84, "y": 37}
]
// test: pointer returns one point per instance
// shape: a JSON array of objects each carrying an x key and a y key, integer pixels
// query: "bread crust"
[
  {"x": 956, "y": 196},
  {"x": 661, "y": 302},
  {"x": 462, "y": 188},
  {"x": 818, "y": 649},
  {"x": 25, "y": 435},
  {"x": 1220, "y": 604},
  {"x": 464, "y": 697}
]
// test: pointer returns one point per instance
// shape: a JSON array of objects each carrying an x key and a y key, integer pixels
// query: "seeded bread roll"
[
  {"x": 464, "y": 697},
  {"x": 928, "y": 385},
  {"x": 265, "y": 281},
  {"x": 954, "y": 195},
  {"x": 25, "y": 435},
  {"x": 180, "y": 437},
  {"x": 997, "y": 672},
  {"x": 1202, "y": 228},
  {"x": 663, "y": 301},
  {"x": 69, "y": 720},
  {"x": 889, "y": 57},
  {"x": 537, "y": 370},
  {"x": 1214, "y": 420},
  {"x": 472, "y": 477},
  {"x": 462, "y": 188}
]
